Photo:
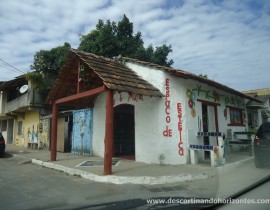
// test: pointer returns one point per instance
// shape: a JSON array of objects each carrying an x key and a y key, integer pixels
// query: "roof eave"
[{"x": 188, "y": 75}]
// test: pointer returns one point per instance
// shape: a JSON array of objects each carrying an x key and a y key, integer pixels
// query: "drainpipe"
[
  {"x": 108, "y": 134},
  {"x": 216, "y": 121},
  {"x": 2, "y": 104}
]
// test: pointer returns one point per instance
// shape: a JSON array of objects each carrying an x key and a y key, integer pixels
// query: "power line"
[
  {"x": 10, "y": 66},
  {"x": 13, "y": 67},
  {"x": 7, "y": 67}
]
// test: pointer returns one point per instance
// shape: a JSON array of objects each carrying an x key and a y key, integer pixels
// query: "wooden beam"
[
  {"x": 108, "y": 134},
  {"x": 54, "y": 131},
  {"x": 208, "y": 103},
  {"x": 81, "y": 95}
]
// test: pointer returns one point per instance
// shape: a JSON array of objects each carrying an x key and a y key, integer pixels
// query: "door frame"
[
  {"x": 115, "y": 124},
  {"x": 10, "y": 130},
  {"x": 215, "y": 105}
]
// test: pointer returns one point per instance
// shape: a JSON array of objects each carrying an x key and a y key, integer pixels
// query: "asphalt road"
[
  {"x": 27, "y": 186},
  {"x": 258, "y": 198}
]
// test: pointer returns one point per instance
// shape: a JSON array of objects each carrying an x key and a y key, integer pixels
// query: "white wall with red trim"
[
  {"x": 162, "y": 120},
  {"x": 191, "y": 116},
  {"x": 165, "y": 126}
]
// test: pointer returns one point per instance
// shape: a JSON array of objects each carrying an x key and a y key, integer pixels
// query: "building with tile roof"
[
  {"x": 258, "y": 112},
  {"x": 143, "y": 111}
]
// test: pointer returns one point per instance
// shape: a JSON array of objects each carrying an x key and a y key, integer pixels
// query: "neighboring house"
[
  {"x": 147, "y": 112},
  {"x": 20, "y": 111},
  {"x": 258, "y": 112}
]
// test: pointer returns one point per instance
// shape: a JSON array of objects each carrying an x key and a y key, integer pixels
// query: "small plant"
[
  {"x": 161, "y": 159},
  {"x": 78, "y": 175}
]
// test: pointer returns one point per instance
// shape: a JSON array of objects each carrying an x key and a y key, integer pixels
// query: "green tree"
[
  {"x": 107, "y": 39},
  {"x": 46, "y": 66},
  {"x": 110, "y": 39}
]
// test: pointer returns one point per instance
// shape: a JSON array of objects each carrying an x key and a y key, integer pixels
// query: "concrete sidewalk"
[{"x": 126, "y": 171}]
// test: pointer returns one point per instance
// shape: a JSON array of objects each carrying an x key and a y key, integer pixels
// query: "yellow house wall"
[
  {"x": 30, "y": 129},
  {"x": 44, "y": 134}
]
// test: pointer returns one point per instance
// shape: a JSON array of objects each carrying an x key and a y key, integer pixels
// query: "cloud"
[{"x": 227, "y": 40}]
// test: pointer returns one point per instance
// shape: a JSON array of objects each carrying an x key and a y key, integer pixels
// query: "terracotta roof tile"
[{"x": 114, "y": 75}]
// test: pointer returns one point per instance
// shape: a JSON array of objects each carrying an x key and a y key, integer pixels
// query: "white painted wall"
[
  {"x": 259, "y": 115},
  {"x": 150, "y": 118},
  {"x": 152, "y": 75},
  {"x": 193, "y": 123},
  {"x": 190, "y": 124},
  {"x": 99, "y": 113},
  {"x": 150, "y": 143},
  {"x": 2, "y": 103}
]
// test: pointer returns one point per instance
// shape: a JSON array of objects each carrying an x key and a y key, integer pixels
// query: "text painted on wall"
[
  {"x": 167, "y": 132},
  {"x": 130, "y": 97},
  {"x": 180, "y": 128}
]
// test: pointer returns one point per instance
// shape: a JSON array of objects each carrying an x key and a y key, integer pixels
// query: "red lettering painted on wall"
[
  {"x": 135, "y": 97},
  {"x": 181, "y": 149},
  {"x": 167, "y": 132},
  {"x": 180, "y": 128}
]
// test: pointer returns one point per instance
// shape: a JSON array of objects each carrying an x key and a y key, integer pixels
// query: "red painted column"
[
  {"x": 108, "y": 134},
  {"x": 54, "y": 131}
]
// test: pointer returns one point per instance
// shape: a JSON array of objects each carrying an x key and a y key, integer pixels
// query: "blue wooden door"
[{"x": 82, "y": 132}]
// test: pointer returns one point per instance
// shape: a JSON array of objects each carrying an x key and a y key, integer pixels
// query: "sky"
[{"x": 228, "y": 40}]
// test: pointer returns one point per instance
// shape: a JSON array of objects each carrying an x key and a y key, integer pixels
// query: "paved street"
[{"x": 27, "y": 186}]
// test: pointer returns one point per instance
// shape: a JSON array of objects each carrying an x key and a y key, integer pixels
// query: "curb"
[
  {"x": 144, "y": 180},
  {"x": 147, "y": 180},
  {"x": 231, "y": 166}
]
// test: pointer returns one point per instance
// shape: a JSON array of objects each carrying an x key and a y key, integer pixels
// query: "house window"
[
  {"x": 12, "y": 94},
  {"x": 236, "y": 117},
  {"x": 20, "y": 128}
]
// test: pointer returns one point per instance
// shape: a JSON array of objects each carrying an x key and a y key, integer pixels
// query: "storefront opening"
[{"x": 124, "y": 131}]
